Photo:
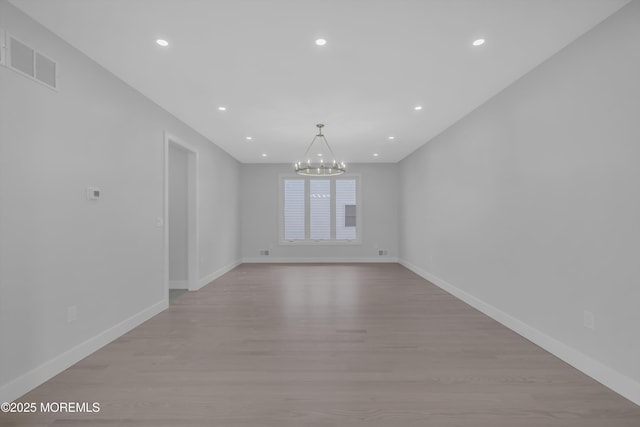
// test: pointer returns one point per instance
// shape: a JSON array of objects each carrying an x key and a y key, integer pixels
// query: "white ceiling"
[{"x": 258, "y": 59}]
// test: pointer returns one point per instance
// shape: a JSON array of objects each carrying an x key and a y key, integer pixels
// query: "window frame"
[{"x": 329, "y": 242}]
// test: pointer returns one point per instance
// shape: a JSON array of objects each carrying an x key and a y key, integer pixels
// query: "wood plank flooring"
[{"x": 326, "y": 346}]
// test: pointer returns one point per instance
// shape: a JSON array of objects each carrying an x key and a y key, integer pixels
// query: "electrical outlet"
[
  {"x": 589, "y": 320},
  {"x": 72, "y": 313}
]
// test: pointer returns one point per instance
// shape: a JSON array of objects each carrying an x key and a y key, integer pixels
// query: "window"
[
  {"x": 346, "y": 222},
  {"x": 319, "y": 210},
  {"x": 294, "y": 209}
]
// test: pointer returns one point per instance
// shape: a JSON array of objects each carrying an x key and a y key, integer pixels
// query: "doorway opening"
[{"x": 181, "y": 217}]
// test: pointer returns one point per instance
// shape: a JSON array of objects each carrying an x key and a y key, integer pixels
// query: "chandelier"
[{"x": 320, "y": 160}]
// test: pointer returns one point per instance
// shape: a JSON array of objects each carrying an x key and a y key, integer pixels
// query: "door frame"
[{"x": 192, "y": 212}]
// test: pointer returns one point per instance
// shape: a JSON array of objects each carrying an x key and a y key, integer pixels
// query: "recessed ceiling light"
[
  {"x": 418, "y": 107},
  {"x": 478, "y": 42},
  {"x": 264, "y": 155},
  {"x": 248, "y": 138},
  {"x": 319, "y": 154},
  {"x": 222, "y": 108},
  {"x": 321, "y": 42},
  {"x": 162, "y": 42},
  {"x": 392, "y": 137},
  {"x": 375, "y": 154}
]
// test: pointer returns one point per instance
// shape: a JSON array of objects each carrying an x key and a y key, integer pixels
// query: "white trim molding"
[
  {"x": 317, "y": 260},
  {"x": 3, "y": 47},
  {"x": 193, "y": 245},
  {"x": 27, "y": 382},
  {"x": 219, "y": 272},
  {"x": 621, "y": 384}
]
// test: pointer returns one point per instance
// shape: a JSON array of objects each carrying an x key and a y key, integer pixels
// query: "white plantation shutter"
[
  {"x": 320, "y": 209},
  {"x": 345, "y": 195},
  {"x": 294, "y": 227}
]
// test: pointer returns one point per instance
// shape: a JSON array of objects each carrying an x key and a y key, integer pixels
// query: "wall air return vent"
[
  {"x": 45, "y": 70},
  {"x": 30, "y": 62},
  {"x": 21, "y": 57}
]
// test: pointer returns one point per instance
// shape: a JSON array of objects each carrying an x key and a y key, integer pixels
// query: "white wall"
[
  {"x": 259, "y": 197},
  {"x": 529, "y": 206},
  {"x": 57, "y": 249},
  {"x": 178, "y": 198},
  {"x": 218, "y": 212}
]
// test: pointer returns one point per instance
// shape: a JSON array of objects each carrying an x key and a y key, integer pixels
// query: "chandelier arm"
[
  {"x": 310, "y": 145},
  {"x": 330, "y": 150}
]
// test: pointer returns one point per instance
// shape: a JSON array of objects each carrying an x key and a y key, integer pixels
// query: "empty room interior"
[{"x": 341, "y": 213}]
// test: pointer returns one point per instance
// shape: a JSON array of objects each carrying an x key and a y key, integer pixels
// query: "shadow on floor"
[{"x": 174, "y": 294}]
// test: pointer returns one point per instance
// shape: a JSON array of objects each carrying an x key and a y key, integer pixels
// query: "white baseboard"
[
  {"x": 178, "y": 284},
  {"x": 24, "y": 383},
  {"x": 219, "y": 272},
  {"x": 267, "y": 259},
  {"x": 612, "y": 379}
]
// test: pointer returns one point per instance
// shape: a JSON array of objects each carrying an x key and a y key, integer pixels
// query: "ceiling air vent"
[{"x": 31, "y": 63}]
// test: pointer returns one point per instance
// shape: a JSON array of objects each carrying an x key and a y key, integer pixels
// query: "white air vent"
[
  {"x": 45, "y": 70},
  {"x": 30, "y": 62},
  {"x": 21, "y": 57}
]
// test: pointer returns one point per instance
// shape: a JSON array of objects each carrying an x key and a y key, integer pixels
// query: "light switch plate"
[{"x": 93, "y": 193}]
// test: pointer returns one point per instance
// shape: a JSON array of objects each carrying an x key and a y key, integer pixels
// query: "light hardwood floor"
[{"x": 323, "y": 346}]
